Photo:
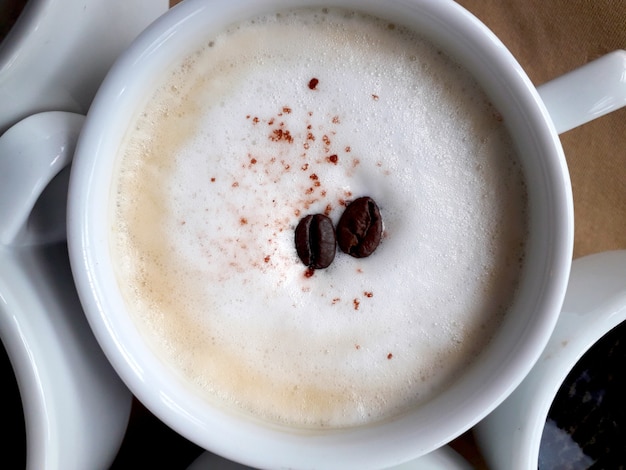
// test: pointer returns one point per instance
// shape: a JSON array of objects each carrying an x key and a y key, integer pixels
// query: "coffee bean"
[
  {"x": 315, "y": 241},
  {"x": 360, "y": 228}
]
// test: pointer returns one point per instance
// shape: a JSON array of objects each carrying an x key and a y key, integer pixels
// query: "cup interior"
[{"x": 503, "y": 364}]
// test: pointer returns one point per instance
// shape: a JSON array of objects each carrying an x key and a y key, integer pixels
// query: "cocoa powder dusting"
[
  {"x": 281, "y": 135},
  {"x": 311, "y": 137}
]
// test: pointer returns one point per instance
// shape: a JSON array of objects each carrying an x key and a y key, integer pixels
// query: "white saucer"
[
  {"x": 444, "y": 458},
  {"x": 75, "y": 407}
]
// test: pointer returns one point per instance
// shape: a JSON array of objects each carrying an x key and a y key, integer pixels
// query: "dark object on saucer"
[{"x": 586, "y": 425}]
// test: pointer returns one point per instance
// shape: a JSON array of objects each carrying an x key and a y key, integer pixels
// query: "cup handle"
[
  {"x": 33, "y": 153},
  {"x": 586, "y": 93}
]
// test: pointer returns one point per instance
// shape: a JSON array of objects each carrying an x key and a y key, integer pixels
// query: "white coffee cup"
[
  {"x": 516, "y": 346},
  {"x": 58, "y": 51},
  {"x": 595, "y": 303}
]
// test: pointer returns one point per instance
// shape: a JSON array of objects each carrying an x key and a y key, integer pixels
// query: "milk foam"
[{"x": 237, "y": 145}]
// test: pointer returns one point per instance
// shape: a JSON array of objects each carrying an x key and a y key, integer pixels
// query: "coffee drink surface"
[{"x": 300, "y": 113}]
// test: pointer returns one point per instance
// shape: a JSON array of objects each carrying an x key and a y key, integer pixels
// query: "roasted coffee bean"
[
  {"x": 360, "y": 228},
  {"x": 315, "y": 241}
]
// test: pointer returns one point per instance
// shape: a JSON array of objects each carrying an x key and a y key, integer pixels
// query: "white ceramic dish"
[
  {"x": 58, "y": 52},
  {"x": 54, "y": 58},
  {"x": 444, "y": 458},
  {"x": 595, "y": 302},
  {"x": 75, "y": 407}
]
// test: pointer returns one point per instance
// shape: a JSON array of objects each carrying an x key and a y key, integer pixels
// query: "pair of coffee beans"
[{"x": 358, "y": 234}]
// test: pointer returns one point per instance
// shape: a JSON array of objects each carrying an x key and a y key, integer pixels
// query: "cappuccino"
[{"x": 300, "y": 113}]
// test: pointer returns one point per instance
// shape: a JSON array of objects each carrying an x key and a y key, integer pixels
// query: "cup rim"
[{"x": 87, "y": 263}]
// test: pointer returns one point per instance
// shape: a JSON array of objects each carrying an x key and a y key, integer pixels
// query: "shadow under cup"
[
  {"x": 13, "y": 423},
  {"x": 504, "y": 363},
  {"x": 10, "y": 11}
]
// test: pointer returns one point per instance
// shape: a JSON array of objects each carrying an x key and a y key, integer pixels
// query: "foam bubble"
[{"x": 235, "y": 147}]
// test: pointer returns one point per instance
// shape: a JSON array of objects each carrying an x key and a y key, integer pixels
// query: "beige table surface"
[{"x": 548, "y": 38}]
